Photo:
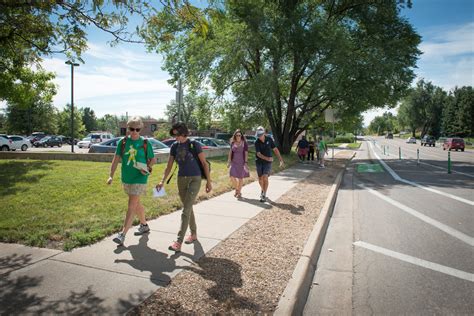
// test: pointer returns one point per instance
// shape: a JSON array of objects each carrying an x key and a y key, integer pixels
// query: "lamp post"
[{"x": 72, "y": 101}]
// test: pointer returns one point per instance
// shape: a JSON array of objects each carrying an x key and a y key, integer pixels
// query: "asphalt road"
[{"x": 399, "y": 245}]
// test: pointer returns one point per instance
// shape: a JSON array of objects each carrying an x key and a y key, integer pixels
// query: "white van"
[{"x": 99, "y": 137}]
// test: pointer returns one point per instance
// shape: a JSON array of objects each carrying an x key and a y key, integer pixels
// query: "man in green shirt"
[{"x": 323, "y": 150}]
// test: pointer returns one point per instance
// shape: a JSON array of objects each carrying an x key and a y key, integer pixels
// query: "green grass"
[
  {"x": 66, "y": 204},
  {"x": 354, "y": 145}
]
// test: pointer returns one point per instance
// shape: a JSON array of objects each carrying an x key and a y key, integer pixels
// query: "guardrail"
[{"x": 162, "y": 157}]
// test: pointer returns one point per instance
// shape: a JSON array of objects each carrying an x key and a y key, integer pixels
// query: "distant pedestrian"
[
  {"x": 323, "y": 150},
  {"x": 264, "y": 146},
  {"x": 302, "y": 148},
  {"x": 137, "y": 160},
  {"x": 190, "y": 159},
  {"x": 237, "y": 161},
  {"x": 311, "y": 149}
]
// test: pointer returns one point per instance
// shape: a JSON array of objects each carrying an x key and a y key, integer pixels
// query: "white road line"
[
  {"x": 398, "y": 178},
  {"x": 445, "y": 228},
  {"x": 419, "y": 262},
  {"x": 454, "y": 171}
]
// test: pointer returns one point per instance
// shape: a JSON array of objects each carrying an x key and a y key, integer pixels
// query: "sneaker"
[
  {"x": 119, "y": 239},
  {"x": 175, "y": 246},
  {"x": 262, "y": 197},
  {"x": 191, "y": 238},
  {"x": 142, "y": 230}
]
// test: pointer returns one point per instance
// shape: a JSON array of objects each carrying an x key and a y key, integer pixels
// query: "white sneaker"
[
  {"x": 119, "y": 239},
  {"x": 142, "y": 229}
]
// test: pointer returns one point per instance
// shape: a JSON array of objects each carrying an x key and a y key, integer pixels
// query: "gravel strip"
[{"x": 247, "y": 272}]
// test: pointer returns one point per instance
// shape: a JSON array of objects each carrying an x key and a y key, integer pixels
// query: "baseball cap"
[{"x": 260, "y": 131}]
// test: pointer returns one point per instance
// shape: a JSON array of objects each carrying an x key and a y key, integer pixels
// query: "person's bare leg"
[
  {"x": 239, "y": 185},
  {"x": 140, "y": 210},
  {"x": 234, "y": 185},
  {"x": 265, "y": 184},
  {"x": 132, "y": 204}
]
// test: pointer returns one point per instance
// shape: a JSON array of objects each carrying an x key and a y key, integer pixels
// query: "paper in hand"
[
  {"x": 141, "y": 166},
  {"x": 157, "y": 194}
]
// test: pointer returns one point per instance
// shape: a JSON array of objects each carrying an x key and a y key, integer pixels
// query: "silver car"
[
  {"x": 411, "y": 140},
  {"x": 19, "y": 142}
]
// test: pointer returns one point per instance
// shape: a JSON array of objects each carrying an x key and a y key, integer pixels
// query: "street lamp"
[{"x": 72, "y": 101}]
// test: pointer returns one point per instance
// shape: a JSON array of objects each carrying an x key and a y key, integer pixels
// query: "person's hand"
[
  {"x": 144, "y": 172},
  {"x": 282, "y": 164},
  {"x": 109, "y": 180},
  {"x": 208, "y": 186},
  {"x": 270, "y": 159},
  {"x": 159, "y": 186}
]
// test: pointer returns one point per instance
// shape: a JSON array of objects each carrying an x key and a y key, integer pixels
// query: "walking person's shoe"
[
  {"x": 142, "y": 229},
  {"x": 119, "y": 239},
  {"x": 190, "y": 239},
  {"x": 175, "y": 246},
  {"x": 262, "y": 197}
]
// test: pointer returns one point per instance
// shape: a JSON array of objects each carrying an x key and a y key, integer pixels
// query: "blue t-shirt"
[
  {"x": 303, "y": 143},
  {"x": 265, "y": 148},
  {"x": 188, "y": 166}
]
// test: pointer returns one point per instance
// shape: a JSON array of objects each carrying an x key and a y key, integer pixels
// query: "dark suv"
[
  {"x": 48, "y": 141},
  {"x": 428, "y": 141}
]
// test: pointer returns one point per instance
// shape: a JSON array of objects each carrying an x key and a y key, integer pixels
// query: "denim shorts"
[{"x": 263, "y": 168}]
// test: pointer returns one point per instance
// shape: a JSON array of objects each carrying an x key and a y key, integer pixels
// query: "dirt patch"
[{"x": 248, "y": 272}]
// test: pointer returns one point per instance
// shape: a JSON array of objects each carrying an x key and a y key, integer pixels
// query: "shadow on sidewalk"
[
  {"x": 17, "y": 297},
  {"x": 148, "y": 259},
  {"x": 255, "y": 202},
  {"x": 294, "y": 209}
]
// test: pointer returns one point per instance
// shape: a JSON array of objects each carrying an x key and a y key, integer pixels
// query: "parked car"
[
  {"x": 49, "y": 141},
  {"x": 428, "y": 141},
  {"x": 250, "y": 139},
  {"x": 389, "y": 136},
  {"x": 168, "y": 142},
  {"x": 212, "y": 142},
  {"x": 5, "y": 144},
  {"x": 110, "y": 146},
  {"x": 36, "y": 136},
  {"x": 99, "y": 137},
  {"x": 19, "y": 142},
  {"x": 411, "y": 140},
  {"x": 454, "y": 143},
  {"x": 84, "y": 143},
  {"x": 4, "y": 136}
]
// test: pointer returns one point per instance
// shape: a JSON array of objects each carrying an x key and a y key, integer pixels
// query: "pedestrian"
[
  {"x": 137, "y": 160},
  {"x": 311, "y": 149},
  {"x": 190, "y": 159},
  {"x": 302, "y": 148},
  {"x": 237, "y": 161},
  {"x": 323, "y": 150},
  {"x": 264, "y": 158}
]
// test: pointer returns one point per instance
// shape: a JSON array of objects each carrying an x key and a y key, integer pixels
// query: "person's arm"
[
  {"x": 113, "y": 167},
  {"x": 277, "y": 152},
  {"x": 166, "y": 173},
  {"x": 262, "y": 156},
  {"x": 229, "y": 157},
  {"x": 202, "y": 158}
]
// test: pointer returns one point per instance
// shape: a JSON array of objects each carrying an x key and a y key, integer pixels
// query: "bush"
[{"x": 344, "y": 139}]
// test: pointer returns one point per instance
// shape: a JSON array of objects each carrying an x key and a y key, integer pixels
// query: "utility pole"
[
  {"x": 72, "y": 101},
  {"x": 179, "y": 98}
]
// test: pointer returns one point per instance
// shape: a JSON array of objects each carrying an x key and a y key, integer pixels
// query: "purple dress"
[{"x": 237, "y": 164}]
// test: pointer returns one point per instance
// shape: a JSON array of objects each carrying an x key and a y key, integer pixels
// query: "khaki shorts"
[{"x": 134, "y": 189}]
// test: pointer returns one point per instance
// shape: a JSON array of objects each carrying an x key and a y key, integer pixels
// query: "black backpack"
[{"x": 192, "y": 149}]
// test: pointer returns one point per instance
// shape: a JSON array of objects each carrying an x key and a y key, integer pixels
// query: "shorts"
[
  {"x": 134, "y": 189},
  {"x": 263, "y": 168}
]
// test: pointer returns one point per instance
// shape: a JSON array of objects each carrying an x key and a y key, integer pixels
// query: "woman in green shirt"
[{"x": 137, "y": 160}]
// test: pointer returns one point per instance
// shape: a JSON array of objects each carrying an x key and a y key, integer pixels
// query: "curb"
[{"x": 293, "y": 299}]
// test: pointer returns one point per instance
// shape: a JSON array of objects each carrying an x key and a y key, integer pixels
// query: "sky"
[{"x": 126, "y": 79}]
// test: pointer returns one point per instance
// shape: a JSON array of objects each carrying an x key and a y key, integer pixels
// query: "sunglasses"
[
  {"x": 238, "y": 135},
  {"x": 131, "y": 129}
]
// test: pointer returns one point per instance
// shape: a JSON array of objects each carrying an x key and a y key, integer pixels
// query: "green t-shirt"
[
  {"x": 133, "y": 152},
  {"x": 322, "y": 145}
]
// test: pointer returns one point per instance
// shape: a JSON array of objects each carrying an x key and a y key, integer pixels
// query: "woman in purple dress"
[{"x": 237, "y": 161}]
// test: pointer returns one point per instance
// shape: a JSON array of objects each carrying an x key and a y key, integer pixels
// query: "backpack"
[{"x": 192, "y": 149}]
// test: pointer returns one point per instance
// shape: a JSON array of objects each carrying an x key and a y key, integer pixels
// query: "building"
[{"x": 150, "y": 126}]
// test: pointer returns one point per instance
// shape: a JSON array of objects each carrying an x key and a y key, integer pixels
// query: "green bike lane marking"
[{"x": 370, "y": 168}]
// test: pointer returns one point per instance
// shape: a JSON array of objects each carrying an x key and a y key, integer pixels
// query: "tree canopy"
[{"x": 290, "y": 60}]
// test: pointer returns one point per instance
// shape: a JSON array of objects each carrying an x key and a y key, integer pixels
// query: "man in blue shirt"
[{"x": 264, "y": 146}]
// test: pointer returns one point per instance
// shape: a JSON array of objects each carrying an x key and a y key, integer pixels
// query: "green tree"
[
  {"x": 30, "y": 30},
  {"x": 290, "y": 59},
  {"x": 64, "y": 123},
  {"x": 385, "y": 123},
  {"x": 458, "y": 114},
  {"x": 29, "y": 104},
  {"x": 109, "y": 123},
  {"x": 89, "y": 119}
]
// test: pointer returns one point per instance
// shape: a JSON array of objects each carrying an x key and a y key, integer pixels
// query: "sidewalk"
[{"x": 103, "y": 278}]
